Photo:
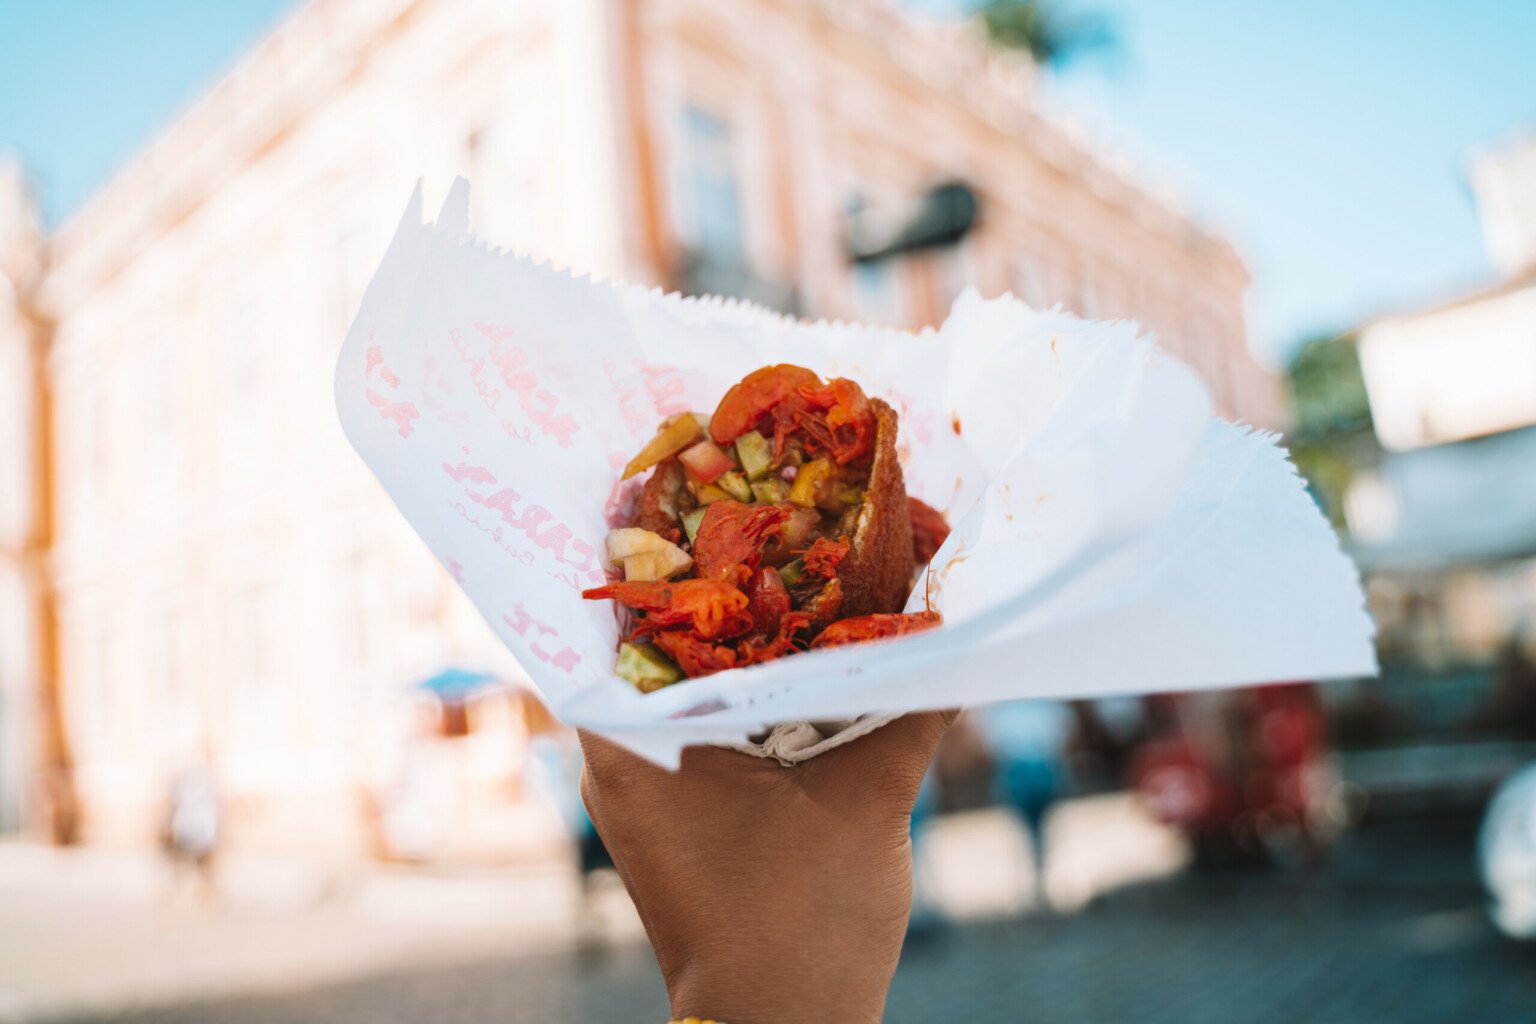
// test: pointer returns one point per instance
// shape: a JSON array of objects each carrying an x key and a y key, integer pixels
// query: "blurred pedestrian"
[
  {"x": 1028, "y": 740},
  {"x": 190, "y": 831}
]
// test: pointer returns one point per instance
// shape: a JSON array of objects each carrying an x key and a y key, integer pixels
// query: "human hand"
[{"x": 771, "y": 895}]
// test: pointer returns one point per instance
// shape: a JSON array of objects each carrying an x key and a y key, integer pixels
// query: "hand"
[{"x": 771, "y": 895}]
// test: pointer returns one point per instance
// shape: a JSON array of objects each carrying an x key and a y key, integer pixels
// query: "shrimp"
[
  {"x": 836, "y": 418},
  {"x": 824, "y": 556},
  {"x": 767, "y": 603},
  {"x": 746, "y": 403},
  {"x": 785, "y": 642},
  {"x": 713, "y": 609},
  {"x": 732, "y": 535},
  {"x": 694, "y": 656},
  {"x": 875, "y": 627}
]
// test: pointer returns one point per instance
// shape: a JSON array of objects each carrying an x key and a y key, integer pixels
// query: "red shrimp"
[
  {"x": 694, "y": 656},
  {"x": 732, "y": 535},
  {"x": 875, "y": 627},
  {"x": 711, "y": 608},
  {"x": 746, "y": 403},
  {"x": 767, "y": 603},
  {"x": 824, "y": 556},
  {"x": 836, "y": 418}
]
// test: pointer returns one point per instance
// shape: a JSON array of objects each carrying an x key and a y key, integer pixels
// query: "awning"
[
  {"x": 454, "y": 684},
  {"x": 1472, "y": 502}
]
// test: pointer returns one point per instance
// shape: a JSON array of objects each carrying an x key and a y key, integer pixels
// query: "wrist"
[{"x": 747, "y": 996}]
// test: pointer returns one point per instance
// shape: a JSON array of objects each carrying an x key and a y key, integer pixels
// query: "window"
[{"x": 710, "y": 203}]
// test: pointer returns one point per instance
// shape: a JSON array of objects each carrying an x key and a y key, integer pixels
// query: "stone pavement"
[
  {"x": 91, "y": 929},
  {"x": 1391, "y": 932}
]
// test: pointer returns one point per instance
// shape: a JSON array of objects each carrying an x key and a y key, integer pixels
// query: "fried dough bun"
[{"x": 877, "y": 575}]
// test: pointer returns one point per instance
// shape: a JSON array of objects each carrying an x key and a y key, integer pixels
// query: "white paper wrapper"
[{"x": 1110, "y": 535}]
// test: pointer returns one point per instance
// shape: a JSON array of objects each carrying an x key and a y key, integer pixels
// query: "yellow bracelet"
[{"x": 693, "y": 1020}]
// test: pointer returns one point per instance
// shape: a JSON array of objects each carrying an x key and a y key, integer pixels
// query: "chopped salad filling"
[{"x": 742, "y": 530}]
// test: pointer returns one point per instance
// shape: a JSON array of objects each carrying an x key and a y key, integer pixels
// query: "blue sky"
[{"x": 1327, "y": 138}]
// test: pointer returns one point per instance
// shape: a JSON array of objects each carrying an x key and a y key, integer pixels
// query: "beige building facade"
[
  {"x": 26, "y": 736},
  {"x": 229, "y": 583}
]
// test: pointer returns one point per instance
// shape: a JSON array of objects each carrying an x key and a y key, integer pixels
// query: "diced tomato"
[{"x": 707, "y": 461}]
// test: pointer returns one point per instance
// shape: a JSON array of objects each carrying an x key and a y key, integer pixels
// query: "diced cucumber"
[
  {"x": 791, "y": 571},
  {"x": 755, "y": 454},
  {"x": 646, "y": 668},
  {"x": 691, "y": 521},
  {"x": 734, "y": 484},
  {"x": 772, "y": 491}
]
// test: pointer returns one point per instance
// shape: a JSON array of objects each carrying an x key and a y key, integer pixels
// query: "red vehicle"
[{"x": 1244, "y": 773}]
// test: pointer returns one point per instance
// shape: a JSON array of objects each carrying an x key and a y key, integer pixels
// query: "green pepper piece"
[
  {"x": 734, "y": 484},
  {"x": 791, "y": 571},
  {"x": 755, "y": 454},
  {"x": 772, "y": 491},
  {"x": 691, "y": 521},
  {"x": 646, "y": 668}
]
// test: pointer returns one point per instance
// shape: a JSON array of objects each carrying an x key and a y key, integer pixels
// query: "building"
[
  {"x": 229, "y": 581},
  {"x": 1442, "y": 517},
  {"x": 28, "y": 751}
]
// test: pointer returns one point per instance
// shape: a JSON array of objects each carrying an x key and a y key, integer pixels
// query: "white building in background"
[
  {"x": 1467, "y": 368},
  {"x": 229, "y": 578},
  {"x": 1503, "y": 178},
  {"x": 1445, "y": 526},
  {"x": 24, "y": 666}
]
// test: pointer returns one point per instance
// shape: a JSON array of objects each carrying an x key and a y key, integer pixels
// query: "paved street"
[{"x": 1391, "y": 932}]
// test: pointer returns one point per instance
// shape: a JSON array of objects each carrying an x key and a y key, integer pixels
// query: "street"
[{"x": 1392, "y": 930}]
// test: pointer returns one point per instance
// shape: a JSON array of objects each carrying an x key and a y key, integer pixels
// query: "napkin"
[{"x": 1110, "y": 534}]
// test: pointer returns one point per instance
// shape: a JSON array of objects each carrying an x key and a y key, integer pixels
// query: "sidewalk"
[
  {"x": 1392, "y": 929},
  {"x": 92, "y": 931},
  {"x": 88, "y": 930}
]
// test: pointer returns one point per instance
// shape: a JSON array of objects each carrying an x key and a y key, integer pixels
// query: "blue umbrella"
[{"x": 453, "y": 685}]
